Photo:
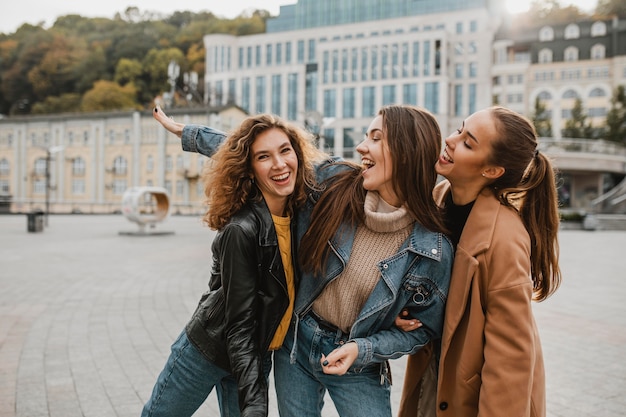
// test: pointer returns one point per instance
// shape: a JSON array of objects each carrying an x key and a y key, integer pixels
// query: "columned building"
[
  {"x": 331, "y": 64},
  {"x": 84, "y": 163}
]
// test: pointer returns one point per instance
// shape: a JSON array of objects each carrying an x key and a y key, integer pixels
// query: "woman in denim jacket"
[{"x": 370, "y": 245}]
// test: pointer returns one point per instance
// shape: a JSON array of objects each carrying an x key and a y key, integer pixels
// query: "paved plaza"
[{"x": 87, "y": 317}]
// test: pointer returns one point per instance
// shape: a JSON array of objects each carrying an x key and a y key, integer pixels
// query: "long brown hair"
[
  {"x": 529, "y": 185},
  {"x": 228, "y": 183},
  {"x": 414, "y": 141}
]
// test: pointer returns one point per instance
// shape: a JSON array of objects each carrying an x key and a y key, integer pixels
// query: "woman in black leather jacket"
[{"x": 258, "y": 179}]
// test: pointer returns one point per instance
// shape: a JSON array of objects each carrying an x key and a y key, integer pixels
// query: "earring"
[{"x": 483, "y": 174}]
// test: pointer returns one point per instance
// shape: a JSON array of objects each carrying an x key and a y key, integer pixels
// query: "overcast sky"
[{"x": 36, "y": 11}]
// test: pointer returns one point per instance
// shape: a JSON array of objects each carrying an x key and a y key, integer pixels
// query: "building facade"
[
  {"x": 331, "y": 64},
  {"x": 558, "y": 64},
  {"x": 84, "y": 163}
]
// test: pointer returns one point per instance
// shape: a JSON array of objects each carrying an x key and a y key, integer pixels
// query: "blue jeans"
[
  {"x": 300, "y": 387},
  {"x": 187, "y": 380}
]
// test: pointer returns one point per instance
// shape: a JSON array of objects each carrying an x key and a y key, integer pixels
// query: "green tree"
[
  {"x": 616, "y": 117},
  {"x": 541, "y": 119},
  {"x": 108, "y": 95},
  {"x": 576, "y": 126},
  {"x": 127, "y": 71},
  {"x": 69, "y": 102}
]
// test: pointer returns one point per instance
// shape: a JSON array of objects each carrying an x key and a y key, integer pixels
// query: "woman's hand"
[
  {"x": 404, "y": 322},
  {"x": 339, "y": 360},
  {"x": 167, "y": 122}
]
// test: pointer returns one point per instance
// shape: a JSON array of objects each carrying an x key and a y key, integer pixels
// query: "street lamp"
[{"x": 49, "y": 152}]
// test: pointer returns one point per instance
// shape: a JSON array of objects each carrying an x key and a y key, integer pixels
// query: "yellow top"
[{"x": 283, "y": 232}]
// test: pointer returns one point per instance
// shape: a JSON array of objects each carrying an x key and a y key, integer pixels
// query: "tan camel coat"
[{"x": 491, "y": 363}]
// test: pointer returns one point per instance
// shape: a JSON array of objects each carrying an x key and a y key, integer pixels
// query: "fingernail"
[{"x": 325, "y": 363}]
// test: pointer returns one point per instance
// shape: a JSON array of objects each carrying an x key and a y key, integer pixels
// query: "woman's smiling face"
[{"x": 377, "y": 162}]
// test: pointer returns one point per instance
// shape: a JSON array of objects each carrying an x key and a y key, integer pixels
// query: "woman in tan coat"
[{"x": 501, "y": 208}]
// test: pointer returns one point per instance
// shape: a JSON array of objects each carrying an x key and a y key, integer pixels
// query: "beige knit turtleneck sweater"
[{"x": 385, "y": 229}]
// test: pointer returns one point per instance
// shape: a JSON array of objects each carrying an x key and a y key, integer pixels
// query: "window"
[
  {"x": 409, "y": 94},
  {"x": 150, "y": 164},
  {"x": 39, "y": 186},
  {"x": 245, "y": 94},
  {"x": 545, "y": 56},
  {"x": 78, "y": 186},
  {"x": 168, "y": 163},
  {"x": 300, "y": 52},
  {"x": 179, "y": 188},
  {"x": 348, "y": 103},
  {"x": 598, "y": 29},
  {"x": 119, "y": 186},
  {"x": 473, "y": 69},
  {"x": 459, "y": 27},
  {"x": 546, "y": 33},
  {"x": 458, "y": 70},
  {"x": 472, "y": 98},
  {"x": 596, "y": 112},
  {"x": 5, "y": 168},
  {"x": 597, "y": 92},
  {"x": 260, "y": 94},
  {"x": 598, "y": 51},
  {"x": 40, "y": 166},
  {"x": 389, "y": 94},
  {"x": 330, "y": 103},
  {"x": 288, "y": 53},
  {"x": 369, "y": 102},
  {"x": 431, "y": 97},
  {"x": 570, "y": 94},
  {"x": 292, "y": 96},
  {"x": 268, "y": 55},
  {"x": 78, "y": 166},
  {"x": 571, "y": 54},
  {"x": 472, "y": 47},
  {"x": 473, "y": 26},
  {"x": 458, "y": 100},
  {"x": 572, "y": 31},
  {"x": 276, "y": 93},
  {"x": 120, "y": 166},
  {"x": 257, "y": 55},
  {"x": 544, "y": 96}
]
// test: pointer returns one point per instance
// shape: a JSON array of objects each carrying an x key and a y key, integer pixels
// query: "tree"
[
  {"x": 108, "y": 95},
  {"x": 616, "y": 117},
  {"x": 611, "y": 8},
  {"x": 541, "y": 119},
  {"x": 577, "y": 126}
]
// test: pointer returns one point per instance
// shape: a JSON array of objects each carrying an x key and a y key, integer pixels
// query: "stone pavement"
[{"x": 87, "y": 317}]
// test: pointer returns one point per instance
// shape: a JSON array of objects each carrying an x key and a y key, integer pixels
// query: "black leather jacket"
[{"x": 236, "y": 319}]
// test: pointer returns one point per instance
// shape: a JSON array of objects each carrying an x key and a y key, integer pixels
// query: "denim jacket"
[{"x": 417, "y": 277}]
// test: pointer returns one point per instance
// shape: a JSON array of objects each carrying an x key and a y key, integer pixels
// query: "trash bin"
[{"x": 35, "y": 221}]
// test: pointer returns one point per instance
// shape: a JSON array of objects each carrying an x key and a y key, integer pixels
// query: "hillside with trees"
[{"x": 85, "y": 64}]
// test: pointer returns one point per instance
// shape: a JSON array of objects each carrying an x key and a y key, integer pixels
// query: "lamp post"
[{"x": 49, "y": 152}]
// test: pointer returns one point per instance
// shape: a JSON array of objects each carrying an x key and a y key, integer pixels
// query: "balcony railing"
[{"x": 597, "y": 146}]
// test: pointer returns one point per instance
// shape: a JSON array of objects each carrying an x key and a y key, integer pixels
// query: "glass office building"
[{"x": 331, "y": 64}]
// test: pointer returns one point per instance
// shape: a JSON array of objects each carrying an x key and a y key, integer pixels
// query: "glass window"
[
  {"x": 268, "y": 54},
  {"x": 245, "y": 94},
  {"x": 40, "y": 166},
  {"x": 545, "y": 56},
  {"x": 431, "y": 97},
  {"x": 276, "y": 93},
  {"x": 389, "y": 94},
  {"x": 598, "y": 51},
  {"x": 78, "y": 166},
  {"x": 292, "y": 96},
  {"x": 473, "y": 69},
  {"x": 260, "y": 94},
  {"x": 597, "y": 92},
  {"x": 369, "y": 102},
  {"x": 546, "y": 33},
  {"x": 472, "y": 98},
  {"x": 149, "y": 164},
  {"x": 78, "y": 186},
  {"x": 458, "y": 100},
  {"x": 571, "y": 54},
  {"x": 598, "y": 29},
  {"x": 572, "y": 31},
  {"x": 300, "y": 52},
  {"x": 348, "y": 103},
  {"x": 330, "y": 103},
  {"x": 409, "y": 94},
  {"x": 5, "y": 167},
  {"x": 570, "y": 94}
]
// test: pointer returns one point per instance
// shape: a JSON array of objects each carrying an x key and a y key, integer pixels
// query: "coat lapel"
[{"x": 475, "y": 239}]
